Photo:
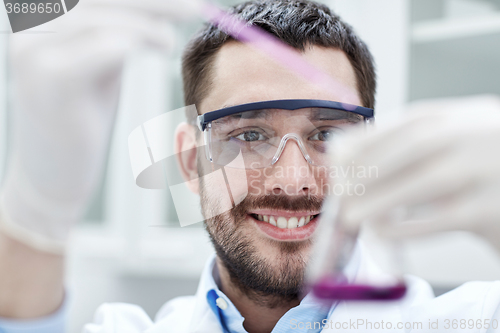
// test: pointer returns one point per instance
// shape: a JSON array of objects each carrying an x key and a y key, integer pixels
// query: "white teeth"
[
  {"x": 282, "y": 222},
  {"x": 272, "y": 221},
  {"x": 293, "y": 223}
]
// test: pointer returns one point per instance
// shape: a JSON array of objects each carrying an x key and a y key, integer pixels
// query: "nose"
[{"x": 291, "y": 172}]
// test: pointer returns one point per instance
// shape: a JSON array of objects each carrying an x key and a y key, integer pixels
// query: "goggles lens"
[{"x": 260, "y": 136}]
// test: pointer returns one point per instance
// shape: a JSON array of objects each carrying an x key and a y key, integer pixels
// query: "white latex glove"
[
  {"x": 65, "y": 93},
  {"x": 442, "y": 158}
]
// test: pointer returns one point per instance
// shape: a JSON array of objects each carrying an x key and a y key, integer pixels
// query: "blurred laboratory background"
[{"x": 131, "y": 248}]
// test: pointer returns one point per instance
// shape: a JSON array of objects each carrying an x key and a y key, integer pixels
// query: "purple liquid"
[{"x": 330, "y": 288}]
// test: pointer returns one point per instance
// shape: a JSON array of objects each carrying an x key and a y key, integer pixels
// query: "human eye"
[
  {"x": 250, "y": 136},
  {"x": 325, "y": 134}
]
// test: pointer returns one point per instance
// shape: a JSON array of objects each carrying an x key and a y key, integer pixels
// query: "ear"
[{"x": 185, "y": 148}]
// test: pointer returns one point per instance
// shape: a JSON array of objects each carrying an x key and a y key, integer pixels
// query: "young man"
[
  {"x": 263, "y": 244},
  {"x": 261, "y": 267}
]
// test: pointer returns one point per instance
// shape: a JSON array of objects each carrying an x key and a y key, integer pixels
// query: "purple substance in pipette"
[{"x": 277, "y": 50}]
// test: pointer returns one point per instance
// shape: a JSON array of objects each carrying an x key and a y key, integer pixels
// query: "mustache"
[{"x": 279, "y": 202}]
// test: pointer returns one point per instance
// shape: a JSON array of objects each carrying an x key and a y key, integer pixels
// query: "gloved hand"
[
  {"x": 438, "y": 168},
  {"x": 65, "y": 93}
]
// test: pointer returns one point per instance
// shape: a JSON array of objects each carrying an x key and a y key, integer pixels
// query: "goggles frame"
[
  {"x": 285, "y": 104},
  {"x": 204, "y": 120}
]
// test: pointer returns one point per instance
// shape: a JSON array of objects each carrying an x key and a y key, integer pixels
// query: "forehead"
[{"x": 241, "y": 75}]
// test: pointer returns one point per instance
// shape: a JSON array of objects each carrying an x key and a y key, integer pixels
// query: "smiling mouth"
[{"x": 283, "y": 222}]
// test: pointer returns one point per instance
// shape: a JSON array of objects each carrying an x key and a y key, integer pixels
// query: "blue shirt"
[{"x": 299, "y": 319}]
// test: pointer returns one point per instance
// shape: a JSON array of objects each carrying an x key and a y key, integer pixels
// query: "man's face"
[{"x": 263, "y": 259}]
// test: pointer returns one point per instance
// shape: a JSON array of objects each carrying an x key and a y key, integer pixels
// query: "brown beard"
[{"x": 264, "y": 283}]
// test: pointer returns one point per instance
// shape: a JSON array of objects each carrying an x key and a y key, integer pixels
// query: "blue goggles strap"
[{"x": 285, "y": 104}]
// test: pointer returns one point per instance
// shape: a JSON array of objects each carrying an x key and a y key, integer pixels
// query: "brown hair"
[{"x": 296, "y": 23}]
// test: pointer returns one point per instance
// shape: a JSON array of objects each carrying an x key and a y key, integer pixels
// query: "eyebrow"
[
  {"x": 257, "y": 114},
  {"x": 317, "y": 114},
  {"x": 332, "y": 114},
  {"x": 254, "y": 114}
]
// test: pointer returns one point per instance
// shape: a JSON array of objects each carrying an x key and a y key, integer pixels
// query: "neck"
[{"x": 261, "y": 313}]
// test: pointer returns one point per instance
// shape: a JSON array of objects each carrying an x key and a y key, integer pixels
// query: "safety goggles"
[{"x": 258, "y": 132}]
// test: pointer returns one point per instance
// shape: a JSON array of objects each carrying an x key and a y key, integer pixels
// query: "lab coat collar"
[{"x": 204, "y": 319}]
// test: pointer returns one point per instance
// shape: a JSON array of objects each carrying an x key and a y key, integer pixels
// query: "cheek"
[
  {"x": 323, "y": 182},
  {"x": 238, "y": 182},
  {"x": 215, "y": 195},
  {"x": 256, "y": 182}
]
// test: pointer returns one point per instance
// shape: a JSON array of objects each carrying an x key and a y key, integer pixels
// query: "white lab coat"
[{"x": 472, "y": 301}]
